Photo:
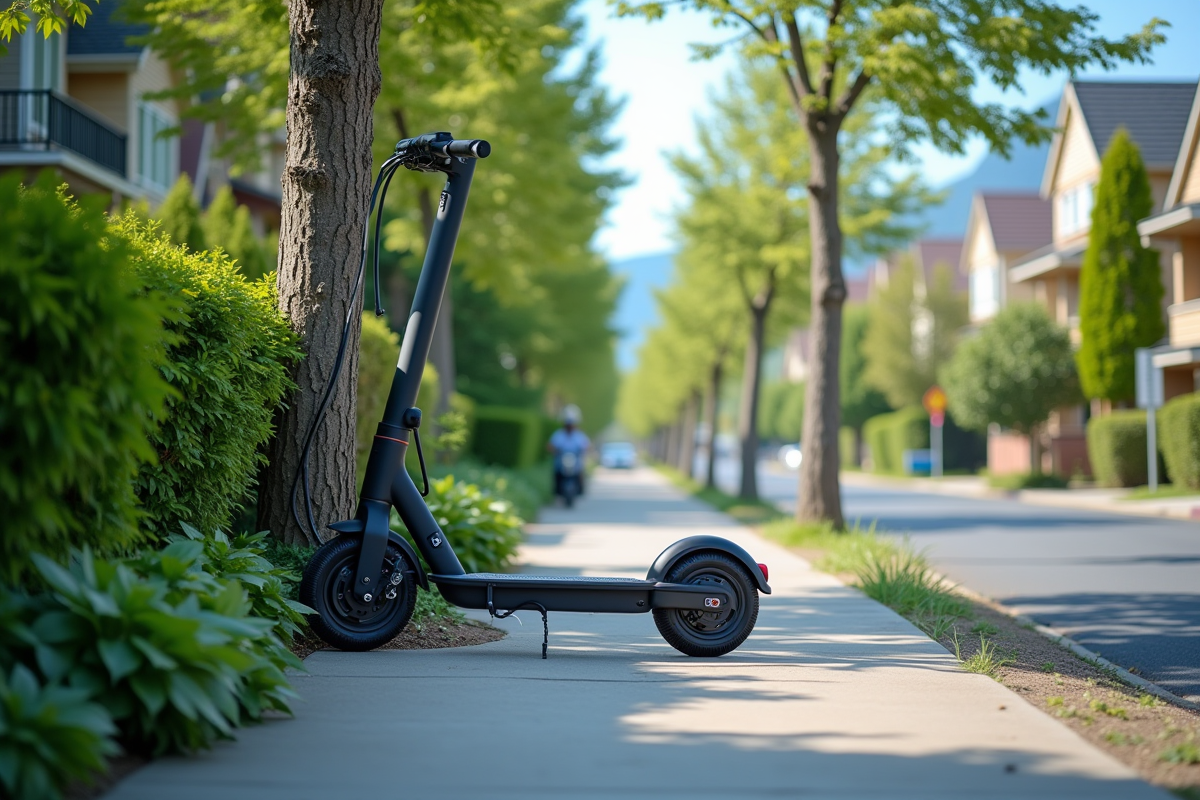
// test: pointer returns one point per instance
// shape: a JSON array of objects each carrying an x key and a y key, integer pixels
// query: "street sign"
[
  {"x": 934, "y": 401},
  {"x": 1148, "y": 382}
]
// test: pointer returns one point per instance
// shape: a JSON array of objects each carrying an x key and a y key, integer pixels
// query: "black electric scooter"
[{"x": 702, "y": 590}]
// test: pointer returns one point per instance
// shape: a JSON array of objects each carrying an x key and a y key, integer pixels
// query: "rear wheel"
[
  {"x": 708, "y": 634},
  {"x": 344, "y": 621}
]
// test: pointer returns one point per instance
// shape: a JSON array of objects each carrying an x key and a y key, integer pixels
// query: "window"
[
  {"x": 43, "y": 68},
  {"x": 1075, "y": 209},
  {"x": 984, "y": 291},
  {"x": 156, "y": 153}
]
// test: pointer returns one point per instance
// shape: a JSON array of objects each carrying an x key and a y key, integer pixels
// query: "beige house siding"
[
  {"x": 983, "y": 250},
  {"x": 10, "y": 65},
  {"x": 1159, "y": 182},
  {"x": 153, "y": 75},
  {"x": 107, "y": 93},
  {"x": 1078, "y": 161}
]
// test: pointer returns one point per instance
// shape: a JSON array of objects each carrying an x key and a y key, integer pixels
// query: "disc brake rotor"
[{"x": 343, "y": 600}]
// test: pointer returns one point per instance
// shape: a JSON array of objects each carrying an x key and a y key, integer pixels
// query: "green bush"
[
  {"x": 1028, "y": 480},
  {"x": 526, "y": 489},
  {"x": 889, "y": 435},
  {"x": 80, "y": 347},
  {"x": 1117, "y": 448},
  {"x": 228, "y": 359},
  {"x": 509, "y": 437},
  {"x": 1179, "y": 439},
  {"x": 482, "y": 528},
  {"x": 846, "y": 447},
  {"x": 49, "y": 735}
]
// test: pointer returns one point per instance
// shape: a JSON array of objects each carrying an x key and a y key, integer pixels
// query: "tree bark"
[
  {"x": 687, "y": 449},
  {"x": 748, "y": 413},
  {"x": 714, "y": 407},
  {"x": 671, "y": 456},
  {"x": 334, "y": 81},
  {"x": 819, "y": 497}
]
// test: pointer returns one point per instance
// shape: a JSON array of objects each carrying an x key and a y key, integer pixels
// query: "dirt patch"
[
  {"x": 118, "y": 768},
  {"x": 1136, "y": 728},
  {"x": 429, "y": 634}
]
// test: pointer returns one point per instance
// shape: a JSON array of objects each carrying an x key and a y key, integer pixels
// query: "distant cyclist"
[{"x": 569, "y": 446}]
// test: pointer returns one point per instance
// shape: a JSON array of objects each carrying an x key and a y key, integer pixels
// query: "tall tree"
[
  {"x": 1017, "y": 370},
  {"x": 913, "y": 330},
  {"x": 1120, "y": 285},
  {"x": 923, "y": 60}
]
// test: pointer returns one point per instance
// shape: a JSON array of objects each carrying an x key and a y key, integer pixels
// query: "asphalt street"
[{"x": 1126, "y": 587}]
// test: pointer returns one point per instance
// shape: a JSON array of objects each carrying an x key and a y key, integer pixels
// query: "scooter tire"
[
  {"x": 708, "y": 634},
  {"x": 341, "y": 620}
]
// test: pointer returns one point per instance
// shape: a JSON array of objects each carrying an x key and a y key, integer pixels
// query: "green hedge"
[
  {"x": 846, "y": 442},
  {"x": 1179, "y": 439},
  {"x": 509, "y": 437},
  {"x": 889, "y": 435},
  {"x": 81, "y": 342},
  {"x": 229, "y": 355},
  {"x": 1117, "y": 448}
]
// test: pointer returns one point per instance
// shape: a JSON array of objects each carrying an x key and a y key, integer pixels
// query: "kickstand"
[{"x": 505, "y": 614}]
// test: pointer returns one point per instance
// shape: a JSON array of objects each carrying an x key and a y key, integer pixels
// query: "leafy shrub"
[
  {"x": 227, "y": 226},
  {"x": 1117, "y": 448},
  {"x": 80, "y": 346},
  {"x": 229, "y": 359},
  {"x": 1179, "y": 439},
  {"x": 483, "y": 529},
  {"x": 526, "y": 489},
  {"x": 508, "y": 437},
  {"x": 889, "y": 435},
  {"x": 49, "y": 735},
  {"x": 1028, "y": 480}
]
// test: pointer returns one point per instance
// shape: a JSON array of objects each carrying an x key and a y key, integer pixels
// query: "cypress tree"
[{"x": 1121, "y": 291}]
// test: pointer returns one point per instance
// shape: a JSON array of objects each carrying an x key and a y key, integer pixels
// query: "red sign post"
[{"x": 935, "y": 403}]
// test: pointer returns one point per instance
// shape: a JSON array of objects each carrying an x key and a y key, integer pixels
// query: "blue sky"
[{"x": 649, "y": 65}]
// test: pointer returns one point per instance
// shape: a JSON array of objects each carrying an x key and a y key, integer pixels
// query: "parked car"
[
  {"x": 618, "y": 455},
  {"x": 790, "y": 456}
]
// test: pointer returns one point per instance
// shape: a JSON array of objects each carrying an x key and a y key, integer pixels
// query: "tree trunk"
[
  {"x": 748, "y": 413},
  {"x": 714, "y": 408},
  {"x": 671, "y": 457},
  {"x": 819, "y": 497},
  {"x": 1035, "y": 450},
  {"x": 334, "y": 81},
  {"x": 858, "y": 446},
  {"x": 687, "y": 449}
]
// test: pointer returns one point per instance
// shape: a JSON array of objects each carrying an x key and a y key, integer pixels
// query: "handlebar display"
[{"x": 431, "y": 152}]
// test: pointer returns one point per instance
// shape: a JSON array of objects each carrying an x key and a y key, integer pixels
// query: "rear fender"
[{"x": 695, "y": 544}]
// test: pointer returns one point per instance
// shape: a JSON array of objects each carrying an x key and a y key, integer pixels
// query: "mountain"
[{"x": 636, "y": 310}]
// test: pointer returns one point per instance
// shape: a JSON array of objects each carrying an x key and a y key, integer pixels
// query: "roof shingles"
[{"x": 1155, "y": 114}]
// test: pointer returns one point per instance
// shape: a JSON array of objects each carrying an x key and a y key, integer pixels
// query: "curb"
[
  {"x": 1060, "y": 638},
  {"x": 1125, "y": 508}
]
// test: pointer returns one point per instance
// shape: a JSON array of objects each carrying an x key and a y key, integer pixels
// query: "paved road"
[
  {"x": 833, "y": 696},
  {"x": 1126, "y": 587}
]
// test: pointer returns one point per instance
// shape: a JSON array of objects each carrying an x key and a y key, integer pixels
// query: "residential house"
[
  {"x": 1175, "y": 231},
  {"x": 77, "y": 103},
  {"x": 81, "y": 103},
  {"x": 1004, "y": 228},
  {"x": 1090, "y": 112},
  {"x": 926, "y": 255}
]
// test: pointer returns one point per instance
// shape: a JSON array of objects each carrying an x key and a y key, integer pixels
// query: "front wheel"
[
  {"x": 708, "y": 634},
  {"x": 342, "y": 620}
]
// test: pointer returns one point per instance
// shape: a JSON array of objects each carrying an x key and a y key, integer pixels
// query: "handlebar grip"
[{"x": 469, "y": 148}]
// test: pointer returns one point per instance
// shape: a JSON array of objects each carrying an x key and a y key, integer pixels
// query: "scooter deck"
[{"x": 576, "y": 593}]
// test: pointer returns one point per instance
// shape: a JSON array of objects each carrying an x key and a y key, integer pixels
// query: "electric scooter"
[
  {"x": 568, "y": 481},
  {"x": 362, "y": 584}
]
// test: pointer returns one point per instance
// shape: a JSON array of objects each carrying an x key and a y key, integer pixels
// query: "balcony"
[
  {"x": 1185, "y": 323},
  {"x": 42, "y": 119}
]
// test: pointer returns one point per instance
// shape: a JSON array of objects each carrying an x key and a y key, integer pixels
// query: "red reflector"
[{"x": 763, "y": 567}]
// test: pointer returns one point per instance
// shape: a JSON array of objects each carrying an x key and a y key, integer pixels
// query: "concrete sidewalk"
[
  {"x": 833, "y": 696},
  {"x": 1113, "y": 501}
]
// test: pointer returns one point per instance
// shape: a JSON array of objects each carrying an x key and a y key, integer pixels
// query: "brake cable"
[{"x": 379, "y": 192}]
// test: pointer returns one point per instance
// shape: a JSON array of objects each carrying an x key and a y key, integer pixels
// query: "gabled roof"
[
  {"x": 103, "y": 35},
  {"x": 1186, "y": 158},
  {"x": 1019, "y": 221},
  {"x": 1154, "y": 112}
]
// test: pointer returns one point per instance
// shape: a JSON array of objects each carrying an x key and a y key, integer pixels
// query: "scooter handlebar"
[{"x": 442, "y": 145}]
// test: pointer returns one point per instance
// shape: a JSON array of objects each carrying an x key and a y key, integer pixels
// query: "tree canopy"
[{"x": 1014, "y": 372}]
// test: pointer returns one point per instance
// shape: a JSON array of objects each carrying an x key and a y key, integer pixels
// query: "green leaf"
[{"x": 119, "y": 658}]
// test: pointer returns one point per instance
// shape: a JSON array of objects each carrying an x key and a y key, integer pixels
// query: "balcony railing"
[{"x": 44, "y": 120}]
